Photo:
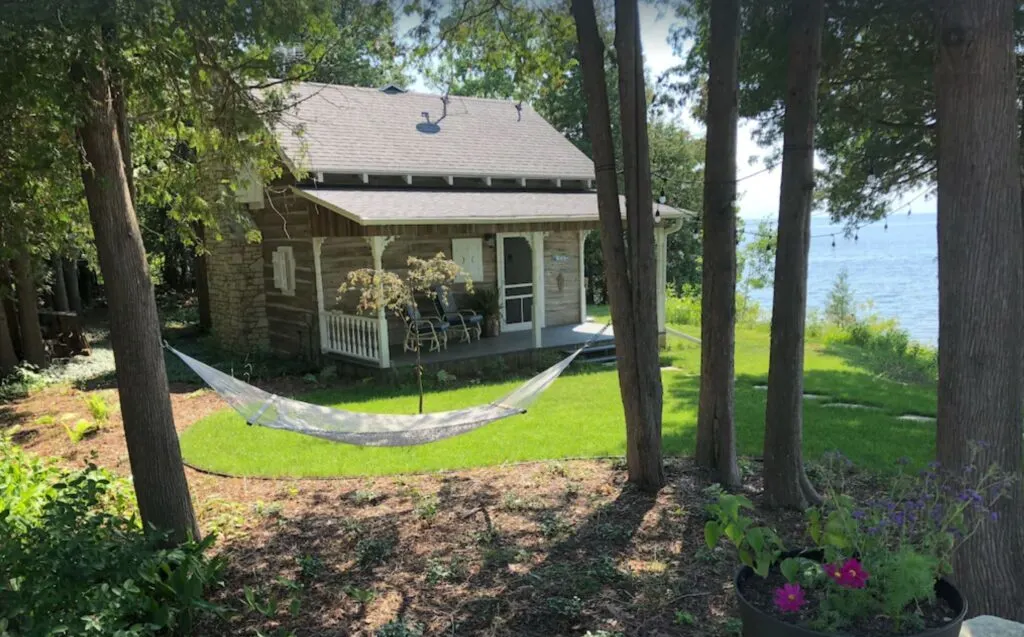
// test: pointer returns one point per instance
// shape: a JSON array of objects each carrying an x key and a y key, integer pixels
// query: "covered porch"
[{"x": 533, "y": 261}]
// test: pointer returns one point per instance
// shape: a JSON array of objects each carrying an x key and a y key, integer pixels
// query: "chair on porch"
[
  {"x": 468, "y": 322},
  {"x": 420, "y": 329}
]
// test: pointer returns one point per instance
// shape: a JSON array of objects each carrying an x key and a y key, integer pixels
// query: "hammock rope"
[{"x": 260, "y": 407}]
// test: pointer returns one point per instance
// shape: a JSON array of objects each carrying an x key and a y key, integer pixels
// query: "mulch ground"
[{"x": 551, "y": 548}]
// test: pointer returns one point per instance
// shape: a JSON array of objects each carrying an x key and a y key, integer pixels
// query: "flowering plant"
[{"x": 878, "y": 558}]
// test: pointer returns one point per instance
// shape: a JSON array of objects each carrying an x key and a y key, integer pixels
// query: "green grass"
[{"x": 580, "y": 415}]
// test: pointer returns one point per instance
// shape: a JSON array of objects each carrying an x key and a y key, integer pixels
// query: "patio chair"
[
  {"x": 421, "y": 329},
  {"x": 468, "y": 322}
]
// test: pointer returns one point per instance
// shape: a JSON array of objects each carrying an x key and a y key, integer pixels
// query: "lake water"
[{"x": 895, "y": 268}]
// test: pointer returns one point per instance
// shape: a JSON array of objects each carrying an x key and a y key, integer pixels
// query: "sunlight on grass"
[{"x": 581, "y": 416}]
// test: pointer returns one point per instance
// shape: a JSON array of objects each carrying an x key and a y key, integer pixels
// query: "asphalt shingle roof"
[
  {"x": 354, "y": 130},
  {"x": 417, "y": 207}
]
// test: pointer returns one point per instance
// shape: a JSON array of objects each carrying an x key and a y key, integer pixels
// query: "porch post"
[
  {"x": 318, "y": 243},
  {"x": 583, "y": 277},
  {"x": 538, "y": 286},
  {"x": 661, "y": 256},
  {"x": 377, "y": 245}
]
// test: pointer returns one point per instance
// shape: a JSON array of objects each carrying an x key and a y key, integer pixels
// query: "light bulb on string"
[{"x": 833, "y": 241}]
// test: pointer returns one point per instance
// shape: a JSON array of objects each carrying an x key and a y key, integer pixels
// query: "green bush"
[
  {"x": 685, "y": 308},
  {"x": 74, "y": 559}
]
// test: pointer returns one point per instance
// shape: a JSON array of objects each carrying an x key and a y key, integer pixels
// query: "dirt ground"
[{"x": 550, "y": 548}]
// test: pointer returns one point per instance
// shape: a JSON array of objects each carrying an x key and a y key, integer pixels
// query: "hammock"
[{"x": 262, "y": 408}]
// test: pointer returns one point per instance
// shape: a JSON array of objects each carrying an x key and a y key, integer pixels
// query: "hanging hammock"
[{"x": 260, "y": 407}]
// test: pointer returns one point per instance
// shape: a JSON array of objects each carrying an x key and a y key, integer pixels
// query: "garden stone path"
[
  {"x": 852, "y": 406},
  {"x": 807, "y": 395},
  {"x": 916, "y": 418},
  {"x": 989, "y": 626}
]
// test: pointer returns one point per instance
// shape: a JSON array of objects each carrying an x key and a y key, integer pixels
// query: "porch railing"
[{"x": 352, "y": 335}]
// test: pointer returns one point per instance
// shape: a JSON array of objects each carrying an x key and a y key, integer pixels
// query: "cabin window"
[
  {"x": 284, "y": 270},
  {"x": 469, "y": 255}
]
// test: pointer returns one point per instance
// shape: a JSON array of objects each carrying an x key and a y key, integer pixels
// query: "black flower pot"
[{"x": 757, "y": 623}]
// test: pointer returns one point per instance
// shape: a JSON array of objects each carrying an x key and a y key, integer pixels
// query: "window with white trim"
[{"x": 284, "y": 270}]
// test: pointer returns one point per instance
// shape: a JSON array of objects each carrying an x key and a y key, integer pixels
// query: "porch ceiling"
[{"x": 376, "y": 207}]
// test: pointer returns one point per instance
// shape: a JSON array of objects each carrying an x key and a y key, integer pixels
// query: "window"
[
  {"x": 469, "y": 255},
  {"x": 284, "y": 270}
]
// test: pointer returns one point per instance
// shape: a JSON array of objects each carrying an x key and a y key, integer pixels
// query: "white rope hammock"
[{"x": 260, "y": 407}]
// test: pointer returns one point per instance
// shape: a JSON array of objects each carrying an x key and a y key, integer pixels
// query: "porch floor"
[{"x": 561, "y": 336}]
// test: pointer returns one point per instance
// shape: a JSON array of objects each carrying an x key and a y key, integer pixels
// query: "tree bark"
[
  {"x": 716, "y": 427},
  {"x": 33, "y": 350},
  {"x": 981, "y": 273},
  {"x": 643, "y": 420},
  {"x": 70, "y": 267},
  {"x": 158, "y": 474},
  {"x": 785, "y": 482},
  {"x": 60, "y": 292},
  {"x": 202, "y": 282},
  {"x": 8, "y": 357}
]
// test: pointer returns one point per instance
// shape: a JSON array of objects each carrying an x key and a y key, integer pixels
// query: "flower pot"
[
  {"x": 492, "y": 326},
  {"x": 758, "y": 623}
]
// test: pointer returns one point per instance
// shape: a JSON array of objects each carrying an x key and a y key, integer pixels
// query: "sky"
[{"x": 758, "y": 196}]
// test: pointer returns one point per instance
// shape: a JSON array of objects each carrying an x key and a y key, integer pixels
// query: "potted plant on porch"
[
  {"x": 490, "y": 306},
  {"x": 876, "y": 569}
]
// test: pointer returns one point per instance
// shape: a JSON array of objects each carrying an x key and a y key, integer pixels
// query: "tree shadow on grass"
[{"x": 872, "y": 436}]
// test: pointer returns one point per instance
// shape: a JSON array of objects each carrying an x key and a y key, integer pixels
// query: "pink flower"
[
  {"x": 849, "y": 574},
  {"x": 789, "y": 598}
]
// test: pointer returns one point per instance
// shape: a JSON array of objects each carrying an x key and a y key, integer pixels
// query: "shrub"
[
  {"x": 23, "y": 381},
  {"x": 81, "y": 429},
  {"x": 98, "y": 407},
  {"x": 75, "y": 560}
]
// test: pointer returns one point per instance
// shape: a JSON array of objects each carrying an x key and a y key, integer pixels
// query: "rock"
[{"x": 989, "y": 626}]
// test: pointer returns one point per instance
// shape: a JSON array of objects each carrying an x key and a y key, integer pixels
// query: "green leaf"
[
  {"x": 712, "y": 533},
  {"x": 755, "y": 537},
  {"x": 790, "y": 568},
  {"x": 746, "y": 558},
  {"x": 762, "y": 565}
]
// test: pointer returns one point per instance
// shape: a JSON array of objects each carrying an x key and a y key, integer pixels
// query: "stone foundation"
[{"x": 238, "y": 310}]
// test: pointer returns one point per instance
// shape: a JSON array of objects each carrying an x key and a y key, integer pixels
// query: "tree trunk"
[
  {"x": 981, "y": 273},
  {"x": 158, "y": 474},
  {"x": 70, "y": 267},
  {"x": 716, "y": 428},
  {"x": 60, "y": 291},
  {"x": 641, "y": 403},
  {"x": 202, "y": 283},
  {"x": 33, "y": 350},
  {"x": 8, "y": 357},
  {"x": 785, "y": 483}
]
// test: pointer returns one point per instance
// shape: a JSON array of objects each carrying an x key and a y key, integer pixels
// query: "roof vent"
[{"x": 392, "y": 89}]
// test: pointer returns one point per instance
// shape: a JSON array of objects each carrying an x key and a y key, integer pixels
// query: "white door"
[{"x": 515, "y": 282}]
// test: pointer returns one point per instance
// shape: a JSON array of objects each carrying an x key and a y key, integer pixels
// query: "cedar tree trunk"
[
  {"x": 785, "y": 483},
  {"x": 639, "y": 384},
  {"x": 33, "y": 350},
  {"x": 716, "y": 427},
  {"x": 71, "y": 285},
  {"x": 8, "y": 357},
  {"x": 158, "y": 474},
  {"x": 60, "y": 292},
  {"x": 981, "y": 273}
]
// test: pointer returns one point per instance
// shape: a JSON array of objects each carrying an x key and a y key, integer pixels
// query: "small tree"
[
  {"x": 840, "y": 308},
  {"x": 392, "y": 292}
]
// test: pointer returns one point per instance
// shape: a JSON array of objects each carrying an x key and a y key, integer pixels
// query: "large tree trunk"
[
  {"x": 8, "y": 357},
  {"x": 33, "y": 350},
  {"x": 202, "y": 283},
  {"x": 716, "y": 428},
  {"x": 981, "y": 273},
  {"x": 641, "y": 402},
  {"x": 785, "y": 483},
  {"x": 60, "y": 292},
  {"x": 157, "y": 471},
  {"x": 71, "y": 284}
]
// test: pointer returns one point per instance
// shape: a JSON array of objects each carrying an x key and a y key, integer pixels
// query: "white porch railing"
[{"x": 352, "y": 335}]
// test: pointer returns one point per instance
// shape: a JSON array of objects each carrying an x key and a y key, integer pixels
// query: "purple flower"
[
  {"x": 994, "y": 516},
  {"x": 858, "y": 514},
  {"x": 849, "y": 574},
  {"x": 789, "y": 598}
]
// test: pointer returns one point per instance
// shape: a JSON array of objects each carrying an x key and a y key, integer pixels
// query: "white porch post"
[
  {"x": 538, "y": 286},
  {"x": 377, "y": 246},
  {"x": 318, "y": 243},
  {"x": 661, "y": 257},
  {"x": 583, "y": 277}
]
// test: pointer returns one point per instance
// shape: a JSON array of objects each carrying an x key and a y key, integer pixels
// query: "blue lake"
[{"x": 894, "y": 268}]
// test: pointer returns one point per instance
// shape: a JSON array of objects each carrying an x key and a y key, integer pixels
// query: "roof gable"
[{"x": 352, "y": 130}]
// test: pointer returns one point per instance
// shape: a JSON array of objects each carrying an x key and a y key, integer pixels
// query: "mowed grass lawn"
[{"x": 581, "y": 415}]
